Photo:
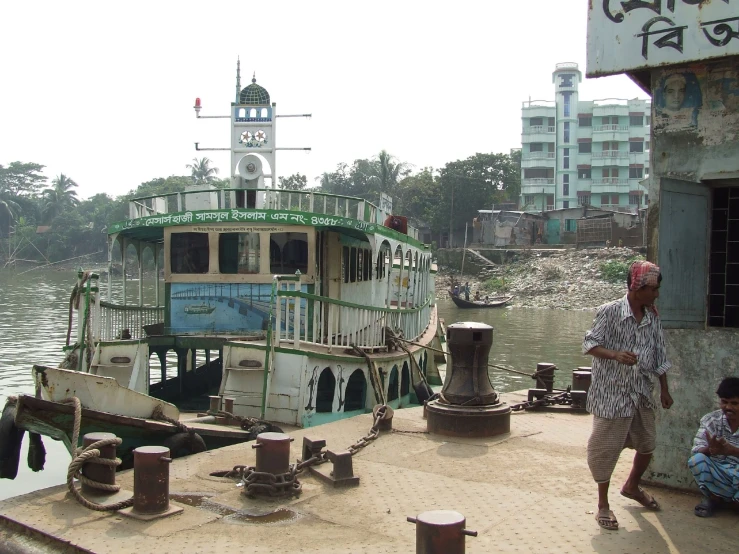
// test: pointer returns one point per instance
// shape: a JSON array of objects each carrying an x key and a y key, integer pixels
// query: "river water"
[{"x": 33, "y": 327}]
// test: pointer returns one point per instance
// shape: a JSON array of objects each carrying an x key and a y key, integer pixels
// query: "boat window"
[
  {"x": 392, "y": 385},
  {"x": 345, "y": 263},
  {"x": 356, "y": 389},
  {"x": 382, "y": 264},
  {"x": 360, "y": 268},
  {"x": 353, "y": 265},
  {"x": 366, "y": 271},
  {"x": 325, "y": 391},
  {"x": 238, "y": 253},
  {"x": 189, "y": 253},
  {"x": 288, "y": 253},
  {"x": 405, "y": 380}
]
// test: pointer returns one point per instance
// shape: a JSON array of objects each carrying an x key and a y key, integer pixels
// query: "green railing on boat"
[
  {"x": 301, "y": 316},
  {"x": 116, "y": 318},
  {"x": 267, "y": 199}
]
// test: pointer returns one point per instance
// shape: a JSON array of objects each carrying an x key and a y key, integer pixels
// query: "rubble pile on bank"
[{"x": 567, "y": 279}]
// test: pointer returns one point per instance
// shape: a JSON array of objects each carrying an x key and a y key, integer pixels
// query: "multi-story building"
[{"x": 577, "y": 152}]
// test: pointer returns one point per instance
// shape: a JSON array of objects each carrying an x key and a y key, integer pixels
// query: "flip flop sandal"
[
  {"x": 705, "y": 508},
  {"x": 643, "y": 498},
  {"x": 607, "y": 520}
]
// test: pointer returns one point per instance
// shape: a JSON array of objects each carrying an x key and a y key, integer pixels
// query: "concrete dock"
[{"x": 528, "y": 491}]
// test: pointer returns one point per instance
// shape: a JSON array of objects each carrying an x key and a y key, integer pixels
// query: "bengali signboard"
[{"x": 628, "y": 35}]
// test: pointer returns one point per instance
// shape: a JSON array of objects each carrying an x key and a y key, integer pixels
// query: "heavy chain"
[
  {"x": 561, "y": 399},
  {"x": 373, "y": 433},
  {"x": 260, "y": 483}
]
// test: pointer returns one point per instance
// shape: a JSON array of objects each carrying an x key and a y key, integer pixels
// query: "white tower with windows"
[{"x": 252, "y": 138}]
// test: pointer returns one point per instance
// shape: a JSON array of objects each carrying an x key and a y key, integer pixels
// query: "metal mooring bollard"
[
  {"x": 229, "y": 405},
  {"x": 273, "y": 453},
  {"x": 215, "y": 403},
  {"x": 386, "y": 423},
  {"x": 104, "y": 474},
  {"x": 151, "y": 484},
  {"x": 440, "y": 532},
  {"x": 468, "y": 405},
  {"x": 545, "y": 376}
]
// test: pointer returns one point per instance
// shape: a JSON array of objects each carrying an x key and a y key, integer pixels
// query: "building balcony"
[
  {"x": 534, "y": 129},
  {"x": 537, "y": 186},
  {"x": 610, "y": 158},
  {"x": 538, "y": 159},
  {"x": 610, "y": 186},
  {"x": 610, "y": 154},
  {"x": 620, "y": 208}
]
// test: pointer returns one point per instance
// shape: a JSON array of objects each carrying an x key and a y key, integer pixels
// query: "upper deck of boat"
[
  {"x": 148, "y": 215},
  {"x": 528, "y": 491}
]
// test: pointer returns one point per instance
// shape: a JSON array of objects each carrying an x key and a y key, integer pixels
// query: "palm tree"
[
  {"x": 59, "y": 197},
  {"x": 9, "y": 210},
  {"x": 388, "y": 171},
  {"x": 202, "y": 172}
]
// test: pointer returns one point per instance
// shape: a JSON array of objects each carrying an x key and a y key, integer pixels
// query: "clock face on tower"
[{"x": 254, "y": 140}]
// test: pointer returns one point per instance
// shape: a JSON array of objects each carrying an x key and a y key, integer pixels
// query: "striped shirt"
[
  {"x": 617, "y": 390},
  {"x": 715, "y": 423}
]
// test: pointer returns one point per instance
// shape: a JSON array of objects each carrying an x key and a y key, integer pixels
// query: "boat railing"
[
  {"x": 305, "y": 201},
  {"x": 308, "y": 318},
  {"x": 124, "y": 322}
]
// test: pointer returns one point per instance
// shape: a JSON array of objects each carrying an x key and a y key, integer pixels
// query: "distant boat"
[
  {"x": 199, "y": 309},
  {"x": 494, "y": 302}
]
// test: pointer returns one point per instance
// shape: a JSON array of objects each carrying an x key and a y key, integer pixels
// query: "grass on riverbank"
[{"x": 615, "y": 271}]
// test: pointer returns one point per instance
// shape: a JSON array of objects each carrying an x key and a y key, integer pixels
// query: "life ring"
[
  {"x": 10, "y": 443},
  {"x": 184, "y": 444}
]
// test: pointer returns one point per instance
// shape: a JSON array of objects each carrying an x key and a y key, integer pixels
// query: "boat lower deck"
[{"x": 528, "y": 491}]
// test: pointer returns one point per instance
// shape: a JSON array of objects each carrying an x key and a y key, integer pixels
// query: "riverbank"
[{"x": 564, "y": 279}]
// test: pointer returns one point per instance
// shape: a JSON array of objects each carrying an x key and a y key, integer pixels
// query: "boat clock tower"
[{"x": 252, "y": 136}]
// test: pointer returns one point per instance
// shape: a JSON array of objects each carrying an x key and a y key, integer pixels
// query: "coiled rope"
[{"x": 90, "y": 454}]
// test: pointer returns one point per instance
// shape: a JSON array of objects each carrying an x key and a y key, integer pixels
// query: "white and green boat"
[{"x": 288, "y": 304}]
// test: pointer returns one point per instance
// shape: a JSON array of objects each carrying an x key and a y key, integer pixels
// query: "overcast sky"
[{"x": 103, "y": 92}]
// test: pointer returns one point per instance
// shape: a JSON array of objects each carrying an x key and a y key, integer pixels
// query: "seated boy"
[{"x": 715, "y": 459}]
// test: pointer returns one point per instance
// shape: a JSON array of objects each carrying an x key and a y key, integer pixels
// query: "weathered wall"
[
  {"x": 695, "y": 142},
  {"x": 700, "y": 359}
]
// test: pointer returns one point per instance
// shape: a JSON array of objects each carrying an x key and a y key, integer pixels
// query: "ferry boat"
[{"x": 293, "y": 307}]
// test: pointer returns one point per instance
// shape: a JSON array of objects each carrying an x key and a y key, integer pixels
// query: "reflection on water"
[{"x": 33, "y": 326}]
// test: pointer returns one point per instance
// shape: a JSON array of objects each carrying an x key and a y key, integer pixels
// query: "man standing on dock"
[{"x": 628, "y": 349}]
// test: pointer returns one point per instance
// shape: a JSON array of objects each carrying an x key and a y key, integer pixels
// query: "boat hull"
[
  {"x": 496, "y": 302},
  {"x": 56, "y": 420}
]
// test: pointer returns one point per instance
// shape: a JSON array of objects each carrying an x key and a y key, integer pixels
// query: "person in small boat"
[
  {"x": 477, "y": 296},
  {"x": 486, "y": 299},
  {"x": 455, "y": 290},
  {"x": 628, "y": 349},
  {"x": 715, "y": 459},
  {"x": 467, "y": 291}
]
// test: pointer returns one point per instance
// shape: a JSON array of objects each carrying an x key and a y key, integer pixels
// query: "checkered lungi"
[
  {"x": 716, "y": 476},
  {"x": 610, "y": 436}
]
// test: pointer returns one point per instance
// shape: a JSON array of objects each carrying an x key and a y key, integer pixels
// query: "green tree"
[
  {"x": 475, "y": 183},
  {"x": 388, "y": 170},
  {"x": 59, "y": 198},
  {"x": 297, "y": 181},
  {"x": 202, "y": 172},
  {"x": 19, "y": 186},
  {"x": 22, "y": 179},
  {"x": 417, "y": 197}
]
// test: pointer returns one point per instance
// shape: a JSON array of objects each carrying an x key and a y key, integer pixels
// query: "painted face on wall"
[{"x": 674, "y": 92}]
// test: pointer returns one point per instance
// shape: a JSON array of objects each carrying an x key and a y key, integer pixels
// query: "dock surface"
[{"x": 528, "y": 491}]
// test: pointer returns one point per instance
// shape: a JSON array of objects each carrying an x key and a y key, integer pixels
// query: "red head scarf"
[{"x": 643, "y": 274}]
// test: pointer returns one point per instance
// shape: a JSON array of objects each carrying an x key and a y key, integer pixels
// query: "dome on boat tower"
[{"x": 254, "y": 94}]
